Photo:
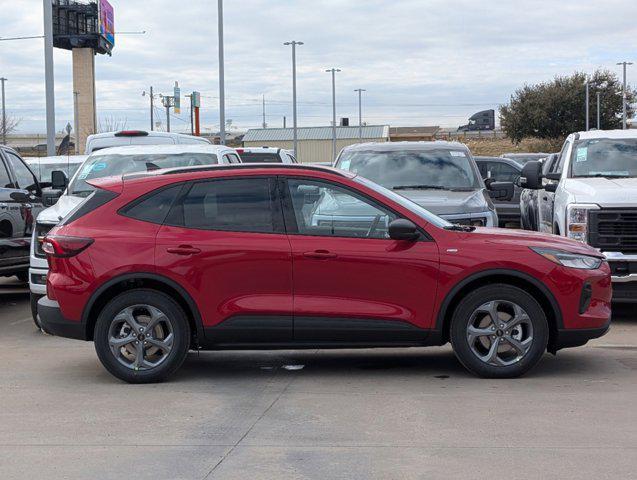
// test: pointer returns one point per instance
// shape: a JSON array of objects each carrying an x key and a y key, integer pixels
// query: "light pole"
[
  {"x": 168, "y": 102},
  {"x": 222, "y": 90},
  {"x": 48, "y": 77},
  {"x": 152, "y": 107},
  {"x": 294, "y": 43},
  {"x": 624, "y": 65},
  {"x": 587, "y": 106},
  {"x": 333, "y": 71},
  {"x": 599, "y": 107},
  {"x": 4, "y": 115},
  {"x": 360, "y": 113}
]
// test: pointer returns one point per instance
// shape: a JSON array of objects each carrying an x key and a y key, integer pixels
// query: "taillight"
[
  {"x": 63, "y": 246},
  {"x": 132, "y": 133}
]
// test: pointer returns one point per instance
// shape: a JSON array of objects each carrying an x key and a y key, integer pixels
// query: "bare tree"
[
  {"x": 9, "y": 126},
  {"x": 111, "y": 124}
]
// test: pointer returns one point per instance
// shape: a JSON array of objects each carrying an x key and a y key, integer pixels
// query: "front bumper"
[
  {"x": 54, "y": 323},
  {"x": 37, "y": 280},
  {"x": 576, "y": 337},
  {"x": 624, "y": 276}
]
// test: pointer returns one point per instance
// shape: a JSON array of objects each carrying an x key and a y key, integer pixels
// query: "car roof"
[
  {"x": 146, "y": 134},
  {"x": 260, "y": 149},
  {"x": 593, "y": 134},
  {"x": 165, "y": 149},
  {"x": 56, "y": 159},
  {"x": 398, "y": 146}
]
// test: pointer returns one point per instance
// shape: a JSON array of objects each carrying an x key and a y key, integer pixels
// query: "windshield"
[
  {"x": 404, "y": 169},
  {"x": 405, "y": 202},
  {"x": 99, "y": 166},
  {"x": 604, "y": 157},
  {"x": 260, "y": 157}
]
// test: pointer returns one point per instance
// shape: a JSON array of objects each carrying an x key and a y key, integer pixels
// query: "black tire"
[
  {"x": 175, "y": 316},
  {"x": 463, "y": 315},
  {"x": 34, "y": 310}
]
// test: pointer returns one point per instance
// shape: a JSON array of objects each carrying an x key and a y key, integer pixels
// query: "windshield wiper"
[
  {"x": 80, "y": 193},
  {"x": 602, "y": 175},
  {"x": 460, "y": 228},
  {"x": 419, "y": 187}
]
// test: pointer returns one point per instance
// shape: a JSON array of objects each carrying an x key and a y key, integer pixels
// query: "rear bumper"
[
  {"x": 573, "y": 337},
  {"x": 54, "y": 323}
]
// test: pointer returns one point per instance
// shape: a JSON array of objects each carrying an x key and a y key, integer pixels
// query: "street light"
[
  {"x": 333, "y": 71},
  {"x": 222, "y": 90},
  {"x": 360, "y": 113},
  {"x": 624, "y": 64},
  {"x": 294, "y": 43},
  {"x": 48, "y": 78}
]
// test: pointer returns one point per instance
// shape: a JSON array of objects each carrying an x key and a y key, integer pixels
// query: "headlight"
[
  {"x": 577, "y": 221},
  {"x": 567, "y": 259}
]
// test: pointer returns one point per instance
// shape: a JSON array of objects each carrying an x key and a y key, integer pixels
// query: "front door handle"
[
  {"x": 320, "y": 254},
  {"x": 184, "y": 250}
]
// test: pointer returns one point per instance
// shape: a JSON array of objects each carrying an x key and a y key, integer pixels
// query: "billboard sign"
[
  {"x": 196, "y": 99},
  {"x": 107, "y": 21}
]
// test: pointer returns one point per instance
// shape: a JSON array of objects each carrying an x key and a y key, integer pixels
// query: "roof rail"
[{"x": 245, "y": 166}]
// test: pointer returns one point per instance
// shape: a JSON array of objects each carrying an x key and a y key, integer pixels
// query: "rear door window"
[
  {"x": 5, "y": 180},
  {"x": 236, "y": 205}
]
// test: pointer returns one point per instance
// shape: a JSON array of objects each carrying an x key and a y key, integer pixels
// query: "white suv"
[
  {"x": 123, "y": 138},
  {"x": 104, "y": 163},
  {"x": 591, "y": 196},
  {"x": 266, "y": 155}
]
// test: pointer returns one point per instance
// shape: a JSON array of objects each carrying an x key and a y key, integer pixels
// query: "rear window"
[
  {"x": 154, "y": 206},
  {"x": 260, "y": 157}
]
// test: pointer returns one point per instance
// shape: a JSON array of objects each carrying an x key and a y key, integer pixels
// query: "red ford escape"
[{"x": 271, "y": 256}]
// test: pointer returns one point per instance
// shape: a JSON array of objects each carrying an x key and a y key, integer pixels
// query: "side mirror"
[
  {"x": 59, "y": 180},
  {"x": 501, "y": 190},
  {"x": 402, "y": 229},
  {"x": 311, "y": 194},
  {"x": 553, "y": 176},
  {"x": 531, "y": 175}
]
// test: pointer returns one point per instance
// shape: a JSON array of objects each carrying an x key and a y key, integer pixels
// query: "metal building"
[{"x": 315, "y": 143}]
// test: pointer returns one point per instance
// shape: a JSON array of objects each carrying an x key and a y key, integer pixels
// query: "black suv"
[{"x": 20, "y": 203}]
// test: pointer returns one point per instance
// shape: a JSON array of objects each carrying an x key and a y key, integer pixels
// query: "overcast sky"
[{"x": 422, "y": 62}]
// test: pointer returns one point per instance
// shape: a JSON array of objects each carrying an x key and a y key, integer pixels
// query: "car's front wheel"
[
  {"x": 499, "y": 331},
  {"x": 142, "y": 336}
]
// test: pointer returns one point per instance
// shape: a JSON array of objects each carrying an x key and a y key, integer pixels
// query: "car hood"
[
  {"x": 57, "y": 212},
  {"x": 447, "y": 202},
  {"x": 606, "y": 192},
  {"x": 535, "y": 239}
]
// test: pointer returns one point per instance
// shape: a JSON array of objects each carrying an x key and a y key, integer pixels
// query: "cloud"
[{"x": 422, "y": 62}]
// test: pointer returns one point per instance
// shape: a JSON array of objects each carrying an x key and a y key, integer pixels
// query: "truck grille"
[
  {"x": 613, "y": 230},
  {"x": 41, "y": 229}
]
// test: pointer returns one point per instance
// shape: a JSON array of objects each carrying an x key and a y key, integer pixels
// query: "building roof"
[{"x": 314, "y": 133}]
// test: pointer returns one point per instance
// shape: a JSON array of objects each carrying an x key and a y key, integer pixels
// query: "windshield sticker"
[
  {"x": 99, "y": 166},
  {"x": 455, "y": 153},
  {"x": 345, "y": 164},
  {"x": 582, "y": 154}
]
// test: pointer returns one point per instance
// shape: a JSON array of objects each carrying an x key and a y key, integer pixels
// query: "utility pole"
[
  {"x": 599, "y": 110},
  {"x": 76, "y": 122},
  {"x": 333, "y": 71},
  {"x": 360, "y": 113},
  {"x": 49, "y": 78},
  {"x": 284, "y": 121},
  {"x": 587, "y": 106},
  {"x": 264, "y": 125},
  {"x": 624, "y": 113},
  {"x": 294, "y": 43},
  {"x": 167, "y": 102},
  {"x": 152, "y": 108},
  {"x": 222, "y": 89},
  {"x": 4, "y": 115}
]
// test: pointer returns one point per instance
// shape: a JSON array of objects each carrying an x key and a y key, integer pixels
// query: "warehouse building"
[{"x": 315, "y": 143}]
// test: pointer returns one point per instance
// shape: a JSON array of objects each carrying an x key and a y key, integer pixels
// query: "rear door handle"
[
  {"x": 320, "y": 254},
  {"x": 184, "y": 250}
]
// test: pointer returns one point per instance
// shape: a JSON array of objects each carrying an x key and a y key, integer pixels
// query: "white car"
[
  {"x": 139, "y": 137},
  {"x": 266, "y": 155},
  {"x": 44, "y": 166},
  {"x": 104, "y": 163},
  {"x": 594, "y": 186}
]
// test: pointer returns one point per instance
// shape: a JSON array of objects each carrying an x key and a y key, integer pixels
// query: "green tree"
[{"x": 555, "y": 109}]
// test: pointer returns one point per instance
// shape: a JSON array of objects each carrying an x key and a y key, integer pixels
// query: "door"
[
  {"x": 224, "y": 241},
  {"x": 546, "y": 199},
  {"x": 352, "y": 283},
  {"x": 29, "y": 194}
]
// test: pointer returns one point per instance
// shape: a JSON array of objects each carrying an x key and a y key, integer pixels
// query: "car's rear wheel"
[
  {"x": 142, "y": 336},
  {"x": 499, "y": 331}
]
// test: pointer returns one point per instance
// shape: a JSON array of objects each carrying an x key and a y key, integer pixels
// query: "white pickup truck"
[{"x": 590, "y": 195}]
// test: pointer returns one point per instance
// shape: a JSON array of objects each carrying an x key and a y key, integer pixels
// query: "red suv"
[{"x": 286, "y": 257}]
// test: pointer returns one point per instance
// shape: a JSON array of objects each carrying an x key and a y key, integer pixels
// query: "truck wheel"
[
  {"x": 142, "y": 336},
  {"x": 499, "y": 331}
]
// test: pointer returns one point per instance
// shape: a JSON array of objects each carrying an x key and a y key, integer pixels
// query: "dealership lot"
[{"x": 405, "y": 413}]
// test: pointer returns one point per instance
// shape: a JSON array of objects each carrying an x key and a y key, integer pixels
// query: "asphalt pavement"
[{"x": 342, "y": 414}]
